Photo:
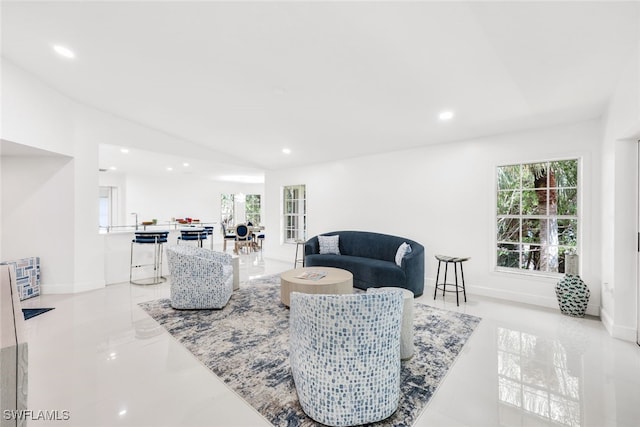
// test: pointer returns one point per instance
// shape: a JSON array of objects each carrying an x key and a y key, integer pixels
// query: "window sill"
[{"x": 543, "y": 277}]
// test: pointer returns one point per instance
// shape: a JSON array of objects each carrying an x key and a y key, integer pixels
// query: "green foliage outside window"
[
  {"x": 537, "y": 215},
  {"x": 252, "y": 206},
  {"x": 253, "y": 209},
  {"x": 227, "y": 210}
]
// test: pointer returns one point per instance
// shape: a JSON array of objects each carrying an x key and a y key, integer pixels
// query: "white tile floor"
[{"x": 99, "y": 356}]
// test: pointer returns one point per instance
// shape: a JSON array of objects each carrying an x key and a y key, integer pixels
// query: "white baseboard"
[
  {"x": 539, "y": 300},
  {"x": 607, "y": 321},
  {"x": 625, "y": 333}
]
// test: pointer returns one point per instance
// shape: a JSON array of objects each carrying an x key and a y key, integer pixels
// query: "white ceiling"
[
  {"x": 11, "y": 149},
  {"x": 153, "y": 163},
  {"x": 328, "y": 80}
]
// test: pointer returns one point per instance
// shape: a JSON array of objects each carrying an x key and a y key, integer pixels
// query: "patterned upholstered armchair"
[
  {"x": 200, "y": 278},
  {"x": 345, "y": 355}
]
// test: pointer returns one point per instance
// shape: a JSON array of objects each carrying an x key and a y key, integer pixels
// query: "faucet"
[{"x": 134, "y": 213}]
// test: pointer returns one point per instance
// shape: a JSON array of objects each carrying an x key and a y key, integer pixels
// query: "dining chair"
[
  {"x": 243, "y": 236},
  {"x": 209, "y": 231},
  {"x": 260, "y": 238},
  {"x": 226, "y": 236}
]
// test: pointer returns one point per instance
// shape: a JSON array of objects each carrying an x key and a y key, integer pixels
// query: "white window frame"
[
  {"x": 578, "y": 217},
  {"x": 297, "y": 232},
  {"x": 258, "y": 221},
  {"x": 111, "y": 207},
  {"x": 228, "y": 218}
]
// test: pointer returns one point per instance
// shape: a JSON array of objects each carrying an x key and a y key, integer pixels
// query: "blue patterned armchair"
[
  {"x": 345, "y": 355},
  {"x": 200, "y": 278}
]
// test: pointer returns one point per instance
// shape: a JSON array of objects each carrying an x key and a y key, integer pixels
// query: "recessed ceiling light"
[
  {"x": 64, "y": 51},
  {"x": 446, "y": 115},
  {"x": 124, "y": 150},
  {"x": 286, "y": 151},
  {"x": 169, "y": 168},
  {"x": 185, "y": 164},
  {"x": 113, "y": 168}
]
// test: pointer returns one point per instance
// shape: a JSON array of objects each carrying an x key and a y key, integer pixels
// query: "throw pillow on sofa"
[
  {"x": 403, "y": 249},
  {"x": 329, "y": 244}
]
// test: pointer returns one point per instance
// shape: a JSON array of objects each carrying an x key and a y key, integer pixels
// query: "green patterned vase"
[{"x": 573, "y": 295}]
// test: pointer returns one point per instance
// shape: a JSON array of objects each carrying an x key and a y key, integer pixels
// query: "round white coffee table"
[{"x": 335, "y": 281}]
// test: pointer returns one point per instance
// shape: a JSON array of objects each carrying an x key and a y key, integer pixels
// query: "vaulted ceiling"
[{"x": 328, "y": 80}]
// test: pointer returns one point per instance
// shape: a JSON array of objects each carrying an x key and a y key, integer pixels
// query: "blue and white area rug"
[{"x": 246, "y": 345}]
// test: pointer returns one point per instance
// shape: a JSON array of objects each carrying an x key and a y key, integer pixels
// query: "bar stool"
[
  {"x": 299, "y": 260},
  {"x": 192, "y": 234},
  {"x": 155, "y": 238},
  {"x": 260, "y": 238},
  {"x": 209, "y": 231},
  {"x": 443, "y": 285}
]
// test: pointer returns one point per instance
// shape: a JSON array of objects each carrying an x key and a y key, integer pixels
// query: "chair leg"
[
  {"x": 160, "y": 253},
  {"x": 131, "y": 264},
  {"x": 435, "y": 291},
  {"x": 158, "y": 265},
  {"x": 464, "y": 288},
  {"x": 444, "y": 285},
  {"x": 455, "y": 269}
]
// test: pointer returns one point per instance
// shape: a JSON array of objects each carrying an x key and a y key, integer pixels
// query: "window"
[
  {"x": 252, "y": 206},
  {"x": 295, "y": 213},
  {"x": 537, "y": 215},
  {"x": 106, "y": 207},
  {"x": 227, "y": 209},
  {"x": 238, "y": 208}
]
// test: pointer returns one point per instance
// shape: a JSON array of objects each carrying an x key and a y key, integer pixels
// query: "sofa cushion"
[
  {"x": 367, "y": 272},
  {"x": 329, "y": 244},
  {"x": 403, "y": 249}
]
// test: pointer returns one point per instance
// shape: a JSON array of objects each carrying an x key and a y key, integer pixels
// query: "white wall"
[
  {"x": 443, "y": 196},
  {"x": 33, "y": 114},
  {"x": 36, "y": 116},
  {"x": 1, "y": 209},
  {"x": 38, "y": 215},
  {"x": 179, "y": 196},
  {"x": 171, "y": 196},
  {"x": 620, "y": 198}
]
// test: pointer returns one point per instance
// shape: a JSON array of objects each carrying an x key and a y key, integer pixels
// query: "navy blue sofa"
[{"x": 370, "y": 257}]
